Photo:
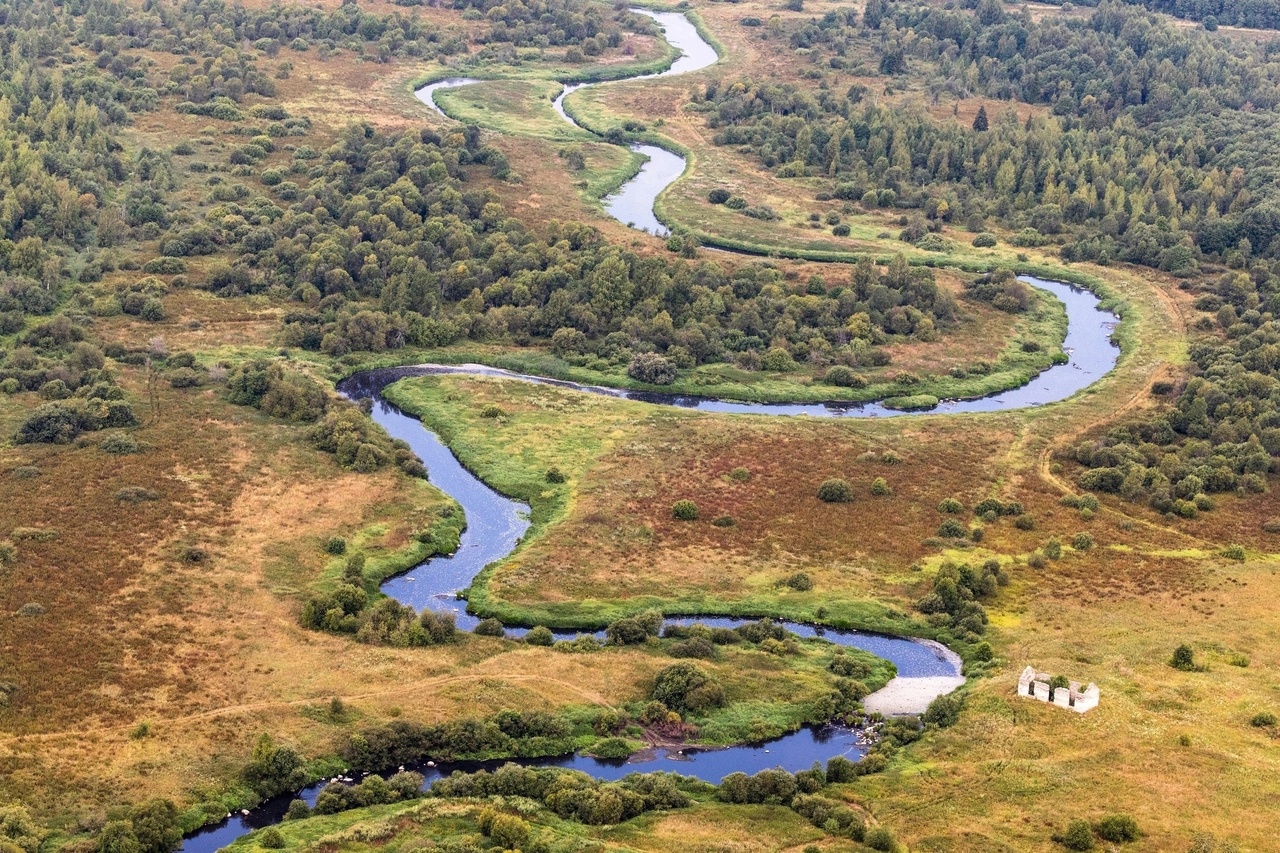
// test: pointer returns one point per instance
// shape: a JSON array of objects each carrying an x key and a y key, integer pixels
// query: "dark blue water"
[{"x": 793, "y": 753}]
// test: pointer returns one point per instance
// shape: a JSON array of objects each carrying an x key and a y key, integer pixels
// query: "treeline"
[
  {"x": 1256, "y": 14},
  {"x": 1157, "y": 149}
]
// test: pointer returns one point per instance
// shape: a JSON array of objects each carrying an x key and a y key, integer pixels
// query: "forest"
[{"x": 213, "y": 211}]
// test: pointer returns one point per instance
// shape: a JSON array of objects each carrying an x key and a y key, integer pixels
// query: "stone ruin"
[{"x": 1077, "y": 697}]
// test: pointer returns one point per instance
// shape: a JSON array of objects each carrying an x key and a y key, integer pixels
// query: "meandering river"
[{"x": 496, "y": 524}]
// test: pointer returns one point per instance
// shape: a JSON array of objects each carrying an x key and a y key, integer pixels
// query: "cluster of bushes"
[
  {"x": 286, "y": 394},
  {"x": 1003, "y": 290},
  {"x": 371, "y": 791},
  {"x": 526, "y": 734},
  {"x": 687, "y": 689},
  {"x": 347, "y": 610},
  {"x": 1118, "y": 829},
  {"x": 341, "y": 428},
  {"x": 362, "y": 445},
  {"x": 954, "y": 601},
  {"x": 573, "y": 795},
  {"x": 53, "y": 358},
  {"x": 151, "y": 827}
]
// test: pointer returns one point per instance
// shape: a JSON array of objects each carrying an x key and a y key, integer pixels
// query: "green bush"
[
  {"x": 1118, "y": 828},
  {"x": 1079, "y": 836},
  {"x": 800, "y": 582},
  {"x": 1234, "y": 552},
  {"x": 539, "y": 635},
  {"x": 686, "y": 687},
  {"x": 270, "y": 838},
  {"x": 718, "y": 196},
  {"x": 952, "y": 529},
  {"x": 835, "y": 490},
  {"x": 843, "y": 377},
  {"x": 723, "y": 521},
  {"x": 1053, "y": 549},
  {"x": 985, "y": 240},
  {"x": 611, "y": 748},
  {"x": 684, "y": 510},
  {"x": 492, "y": 411},
  {"x": 489, "y": 628},
  {"x": 880, "y": 487},
  {"x": 879, "y": 838},
  {"x": 944, "y": 711},
  {"x": 1184, "y": 659},
  {"x": 1263, "y": 719},
  {"x": 950, "y": 506},
  {"x": 651, "y": 368},
  {"x": 555, "y": 475},
  {"x": 298, "y": 810},
  {"x": 740, "y": 475},
  {"x": 1082, "y": 542},
  {"x": 336, "y": 546}
]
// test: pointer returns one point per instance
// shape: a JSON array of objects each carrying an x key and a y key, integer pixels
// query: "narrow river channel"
[{"x": 496, "y": 524}]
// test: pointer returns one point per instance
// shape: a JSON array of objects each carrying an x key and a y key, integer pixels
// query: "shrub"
[
  {"x": 985, "y": 240},
  {"x": 1118, "y": 828},
  {"x": 740, "y": 475},
  {"x": 270, "y": 838},
  {"x": 136, "y": 495},
  {"x": 611, "y": 748},
  {"x": 944, "y": 711},
  {"x": 952, "y": 529},
  {"x": 950, "y": 506},
  {"x": 841, "y": 230},
  {"x": 492, "y": 411},
  {"x": 119, "y": 444},
  {"x": 843, "y": 377},
  {"x": 298, "y": 810},
  {"x": 489, "y": 628},
  {"x": 1053, "y": 549},
  {"x": 1025, "y": 522},
  {"x": 718, "y": 196},
  {"x": 835, "y": 490},
  {"x": 1184, "y": 659},
  {"x": 723, "y": 521},
  {"x": 509, "y": 831},
  {"x": 336, "y": 546},
  {"x": 684, "y": 510},
  {"x": 652, "y": 368},
  {"x": 1234, "y": 552},
  {"x": 555, "y": 475},
  {"x": 1262, "y": 720},
  {"x": 890, "y": 457},
  {"x": 800, "y": 582},
  {"x": 879, "y": 838},
  {"x": 880, "y": 487},
  {"x": 694, "y": 647},
  {"x": 1037, "y": 560},
  {"x": 1079, "y": 836},
  {"x": 1082, "y": 542},
  {"x": 686, "y": 687},
  {"x": 539, "y": 635}
]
